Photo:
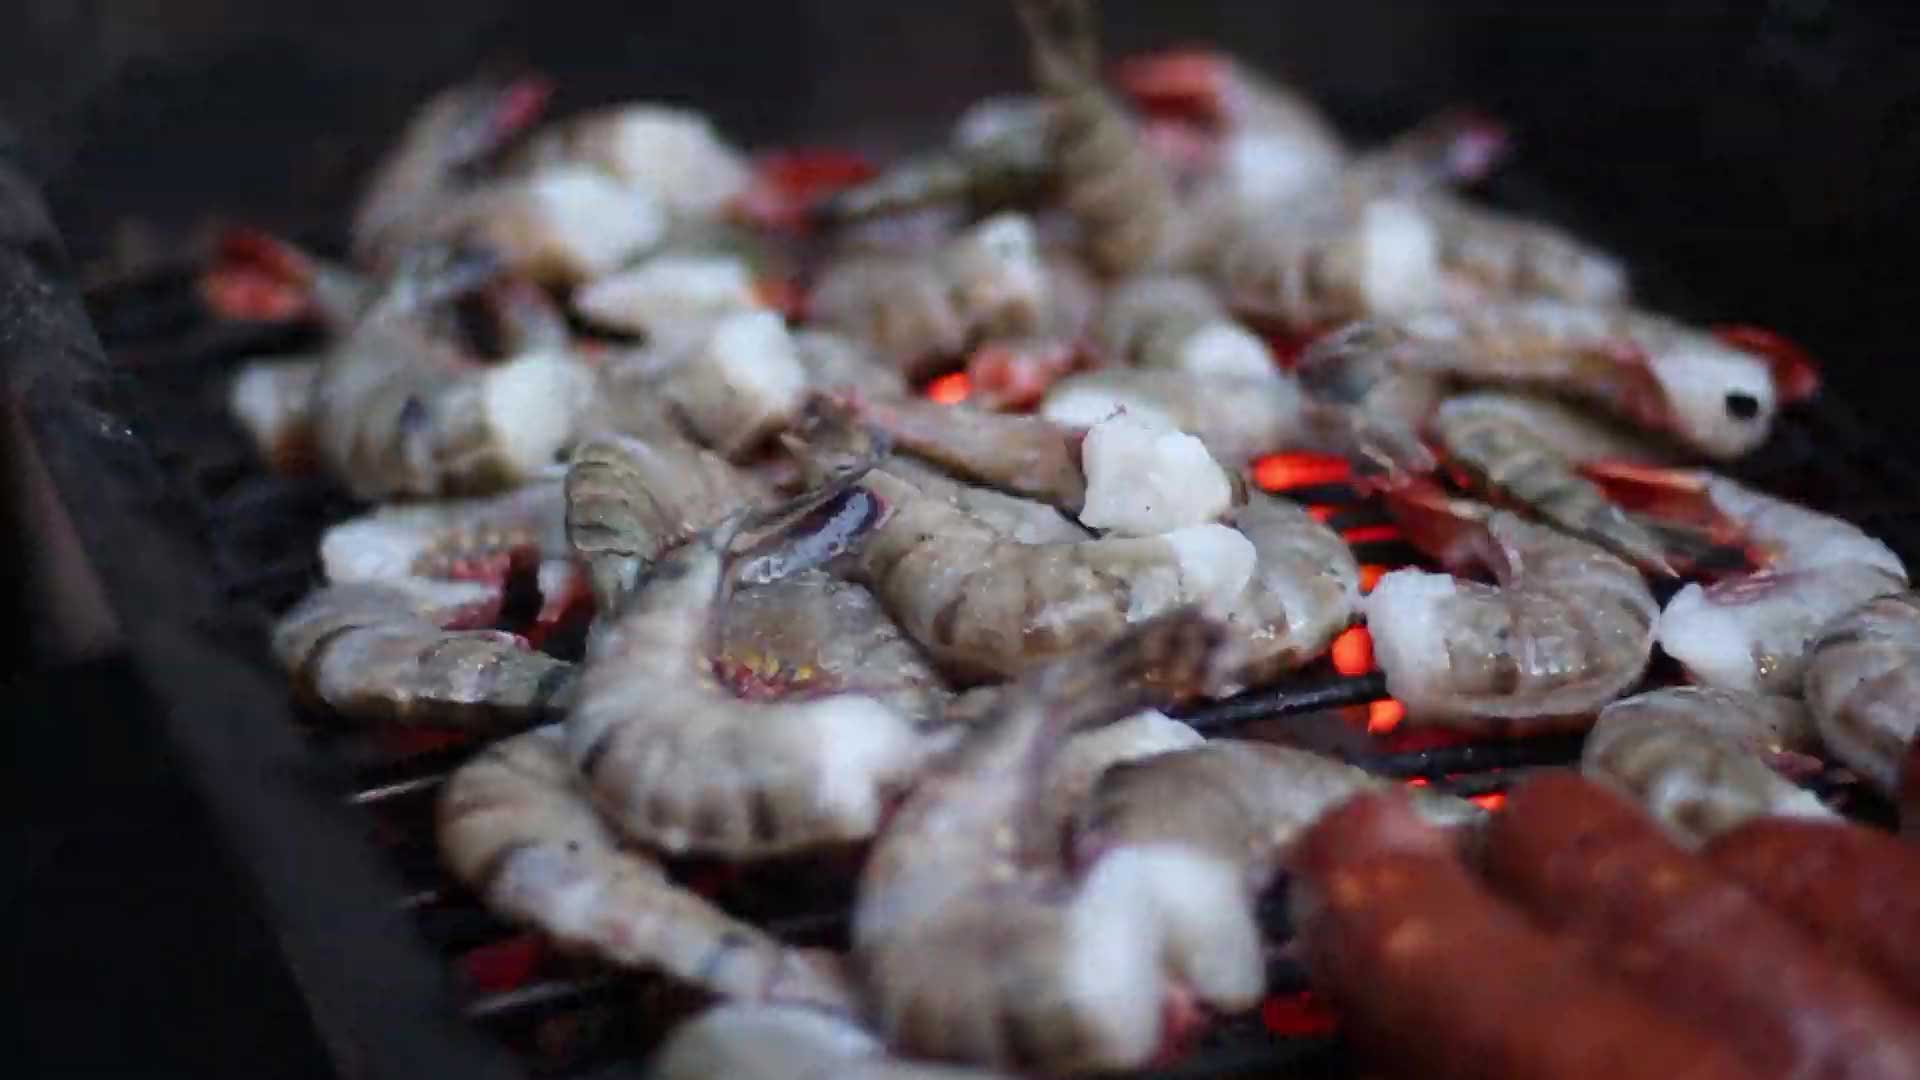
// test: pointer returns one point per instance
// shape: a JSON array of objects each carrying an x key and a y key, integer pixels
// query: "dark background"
[{"x": 1764, "y": 154}]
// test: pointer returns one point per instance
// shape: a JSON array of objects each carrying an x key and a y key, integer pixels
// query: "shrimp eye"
[{"x": 1742, "y": 406}]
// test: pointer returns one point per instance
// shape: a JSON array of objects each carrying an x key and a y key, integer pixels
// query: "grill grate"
[{"x": 259, "y": 534}]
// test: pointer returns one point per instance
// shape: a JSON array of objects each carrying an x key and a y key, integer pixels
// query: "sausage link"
[
  {"x": 1588, "y": 863},
  {"x": 1856, "y": 890},
  {"x": 1436, "y": 977}
]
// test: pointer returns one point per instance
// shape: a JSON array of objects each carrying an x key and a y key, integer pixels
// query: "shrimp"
[
  {"x": 1506, "y": 460},
  {"x": 628, "y": 501},
  {"x": 1755, "y": 631},
  {"x": 1174, "y": 321},
  {"x": 1648, "y": 370},
  {"x": 514, "y": 826},
  {"x": 995, "y": 158},
  {"x": 913, "y": 310},
  {"x": 1089, "y": 755},
  {"x": 1238, "y": 804},
  {"x": 398, "y": 412},
  {"x": 1325, "y": 257},
  {"x": 671, "y": 155},
  {"x": 1504, "y": 254},
  {"x": 1026, "y": 521},
  {"x": 1144, "y": 481},
  {"x": 1237, "y": 419},
  {"x": 680, "y": 763},
  {"x": 382, "y": 652},
  {"x": 1109, "y": 181},
  {"x": 988, "y": 606},
  {"x": 1027, "y": 456},
  {"x": 780, "y": 1042},
  {"x": 1696, "y": 758},
  {"x": 469, "y": 539},
  {"x": 455, "y": 131},
  {"x": 973, "y": 941},
  {"x": 1863, "y": 684},
  {"x": 1568, "y": 628},
  {"x": 669, "y": 294}
]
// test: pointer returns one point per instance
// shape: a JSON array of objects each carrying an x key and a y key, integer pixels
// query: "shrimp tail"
[{"x": 1163, "y": 660}]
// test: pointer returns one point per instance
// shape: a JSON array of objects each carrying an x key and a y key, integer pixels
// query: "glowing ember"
[
  {"x": 1371, "y": 534},
  {"x": 950, "y": 389},
  {"x": 1284, "y": 472},
  {"x": 1370, "y": 575},
  {"x": 1353, "y": 651},
  {"x": 1302, "y": 1014},
  {"x": 1418, "y": 781},
  {"x": 408, "y": 741},
  {"x": 1384, "y": 716},
  {"x": 503, "y": 965},
  {"x": 1491, "y": 801},
  {"x": 1322, "y": 513}
]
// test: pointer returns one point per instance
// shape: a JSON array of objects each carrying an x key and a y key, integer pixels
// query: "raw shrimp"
[
  {"x": 996, "y": 157},
  {"x": 1109, "y": 181},
  {"x": 1507, "y": 461},
  {"x": 1656, "y": 373},
  {"x": 455, "y": 131},
  {"x": 1504, "y": 254},
  {"x": 399, "y": 412},
  {"x": 382, "y": 652},
  {"x": 1305, "y": 589},
  {"x": 1567, "y": 629},
  {"x": 1238, "y": 806},
  {"x": 1089, "y": 755},
  {"x": 627, "y": 501},
  {"x": 1174, "y": 321},
  {"x": 671, "y": 155},
  {"x": 679, "y": 762},
  {"x": 1027, "y": 456},
  {"x": 1863, "y": 684},
  {"x": 1237, "y": 418},
  {"x": 469, "y": 539},
  {"x": 988, "y": 606},
  {"x": 1325, "y": 257},
  {"x": 1697, "y": 758},
  {"x": 780, "y": 1042},
  {"x": 1023, "y": 520},
  {"x": 1754, "y": 632},
  {"x": 514, "y": 827},
  {"x": 913, "y": 309},
  {"x": 973, "y": 941}
]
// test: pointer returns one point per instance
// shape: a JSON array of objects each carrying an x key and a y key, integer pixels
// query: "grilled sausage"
[
  {"x": 1855, "y": 889},
  {"x": 1436, "y": 977},
  {"x": 1586, "y": 862}
]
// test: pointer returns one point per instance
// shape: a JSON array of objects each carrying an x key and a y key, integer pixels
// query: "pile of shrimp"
[{"x": 891, "y": 505}]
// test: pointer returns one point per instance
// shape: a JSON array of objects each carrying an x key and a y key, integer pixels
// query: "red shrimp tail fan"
[
  {"x": 1795, "y": 375},
  {"x": 258, "y": 277}
]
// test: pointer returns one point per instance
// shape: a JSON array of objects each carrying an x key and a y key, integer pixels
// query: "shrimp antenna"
[{"x": 1063, "y": 36}]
